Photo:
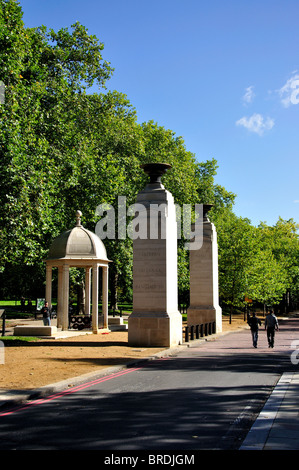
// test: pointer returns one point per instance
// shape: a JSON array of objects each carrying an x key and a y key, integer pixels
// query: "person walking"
[
  {"x": 46, "y": 314},
  {"x": 271, "y": 324},
  {"x": 254, "y": 323}
]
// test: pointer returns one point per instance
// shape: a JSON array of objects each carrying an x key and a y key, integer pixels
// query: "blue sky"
[{"x": 224, "y": 75}]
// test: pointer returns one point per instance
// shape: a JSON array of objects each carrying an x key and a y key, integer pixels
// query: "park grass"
[{"x": 17, "y": 340}]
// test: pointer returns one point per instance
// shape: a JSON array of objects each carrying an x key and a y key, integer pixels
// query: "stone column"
[
  {"x": 204, "y": 289},
  {"x": 65, "y": 297},
  {"x": 60, "y": 297},
  {"x": 105, "y": 295},
  {"x": 87, "y": 291},
  {"x": 95, "y": 298},
  {"x": 49, "y": 285},
  {"x": 155, "y": 320}
]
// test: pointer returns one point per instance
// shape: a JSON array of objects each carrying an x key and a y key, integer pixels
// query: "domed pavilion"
[{"x": 79, "y": 248}]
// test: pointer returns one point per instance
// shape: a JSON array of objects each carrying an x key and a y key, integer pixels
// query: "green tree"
[
  {"x": 43, "y": 81},
  {"x": 267, "y": 278},
  {"x": 236, "y": 246},
  {"x": 36, "y": 136},
  {"x": 63, "y": 149},
  {"x": 282, "y": 240},
  {"x": 208, "y": 191},
  {"x": 258, "y": 263}
]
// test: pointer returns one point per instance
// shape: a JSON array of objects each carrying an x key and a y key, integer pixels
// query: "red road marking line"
[{"x": 68, "y": 391}]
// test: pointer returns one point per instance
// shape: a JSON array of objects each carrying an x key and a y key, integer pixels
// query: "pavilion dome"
[{"x": 77, "y": 243}]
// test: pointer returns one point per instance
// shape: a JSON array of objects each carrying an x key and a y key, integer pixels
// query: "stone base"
[
  {"x": 157, "y": 330},
  {"x": 35, "y": 330},
  {"x": 98, "y": 331},
  {"x": 115, "y": 320},
  {"x": 117, "y": 324},
  {"x": 197, "y": 316}
]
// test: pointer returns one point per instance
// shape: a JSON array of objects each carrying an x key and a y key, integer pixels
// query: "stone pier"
[
  {"x": 155, "y": 320},
  {"x": 204, "y": 289}
]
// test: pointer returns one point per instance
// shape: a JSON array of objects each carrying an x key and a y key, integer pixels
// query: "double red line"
[{"x": 68, "y": 391}]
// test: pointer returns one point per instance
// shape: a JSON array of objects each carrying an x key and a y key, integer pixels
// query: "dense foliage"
[
  {"x": 63, "y": 148},
  {"x": 257, "y": 264}
]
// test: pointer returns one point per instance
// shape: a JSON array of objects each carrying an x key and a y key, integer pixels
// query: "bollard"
[
  {"x": 192, "y": 333},
  {"x": 197, "y": 331},
  {"x": 187, "y": 334},
  {"x": 201, "y": 330},
  {"x": 206, "y": 329},
  {"x": 210, "y": 328}
]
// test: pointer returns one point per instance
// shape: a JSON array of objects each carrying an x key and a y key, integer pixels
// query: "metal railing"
[{"x": 3, "y": 316}]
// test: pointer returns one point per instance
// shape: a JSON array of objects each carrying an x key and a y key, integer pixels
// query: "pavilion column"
[
  {"x": 87, "y": 291},
  {"x": 105, "y": 295},
  {"x": 65, "y": 297},
  {"x": 95, "y": 297},
  {"x": 49, "y": 285},
  {"x": 60, "y": 298}
]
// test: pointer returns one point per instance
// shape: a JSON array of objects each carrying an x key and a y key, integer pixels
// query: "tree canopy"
[
  {"x": 64, "y": 148},
  {"x": 258, "y": 264}
]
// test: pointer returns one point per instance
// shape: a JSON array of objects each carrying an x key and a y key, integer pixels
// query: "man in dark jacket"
[
  {"x": 46, "y": 314},
  {"x": 271, "y": 324},
  {"x": 254, "y": 323}
]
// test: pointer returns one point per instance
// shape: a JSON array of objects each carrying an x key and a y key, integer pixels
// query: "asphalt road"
[{"x": 203, "y": 397}]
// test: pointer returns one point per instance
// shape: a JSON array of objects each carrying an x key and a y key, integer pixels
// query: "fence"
[{"x": 3, "y": 316}]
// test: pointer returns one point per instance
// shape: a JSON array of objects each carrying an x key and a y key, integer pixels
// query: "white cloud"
[
  {"x": 296, "y": 201},
  {"x": 256, "y": 123},
  {"x": 248, "y": 95},
  {"x": 289, "y": 93}
]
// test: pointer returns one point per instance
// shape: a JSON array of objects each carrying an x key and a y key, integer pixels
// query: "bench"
[{"x": 35, "y": 330}]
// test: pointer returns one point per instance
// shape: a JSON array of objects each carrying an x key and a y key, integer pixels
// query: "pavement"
[
  {"x": 277, "y": 425},
  {"x": 275, "y": 428}
]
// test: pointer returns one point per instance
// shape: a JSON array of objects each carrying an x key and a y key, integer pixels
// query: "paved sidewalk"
[{"x": 277, "y": 426}]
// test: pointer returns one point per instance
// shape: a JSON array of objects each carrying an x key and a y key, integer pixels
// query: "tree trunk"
[
  {"x": 81, "y": 298},
  {"x": 113, "y": 290}
]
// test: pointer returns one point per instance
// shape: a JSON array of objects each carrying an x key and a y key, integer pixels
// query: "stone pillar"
[
  {"x": 155, "y": 320},
  {"x": 60, "y": 297},
  {"x": 204, "y": 289},
  {"x": 65, "y": 297},
  {"x": 49, "y": 285},
  {"x": 105, "y": 295},
  {"x": 95, "y": 298},
  {"x": 87, "y": 291}
]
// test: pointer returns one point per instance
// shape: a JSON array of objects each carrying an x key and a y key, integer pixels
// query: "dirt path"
[{"x": 36, "y": 364}]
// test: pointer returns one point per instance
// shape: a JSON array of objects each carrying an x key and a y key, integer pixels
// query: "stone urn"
[{"x": 155, "y": 171}]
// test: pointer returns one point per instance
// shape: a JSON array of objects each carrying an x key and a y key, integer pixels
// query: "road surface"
[{"x": 202, "y": 397}]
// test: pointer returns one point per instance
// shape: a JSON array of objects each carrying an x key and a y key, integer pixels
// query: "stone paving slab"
[{"x": 277, "y": 426}]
